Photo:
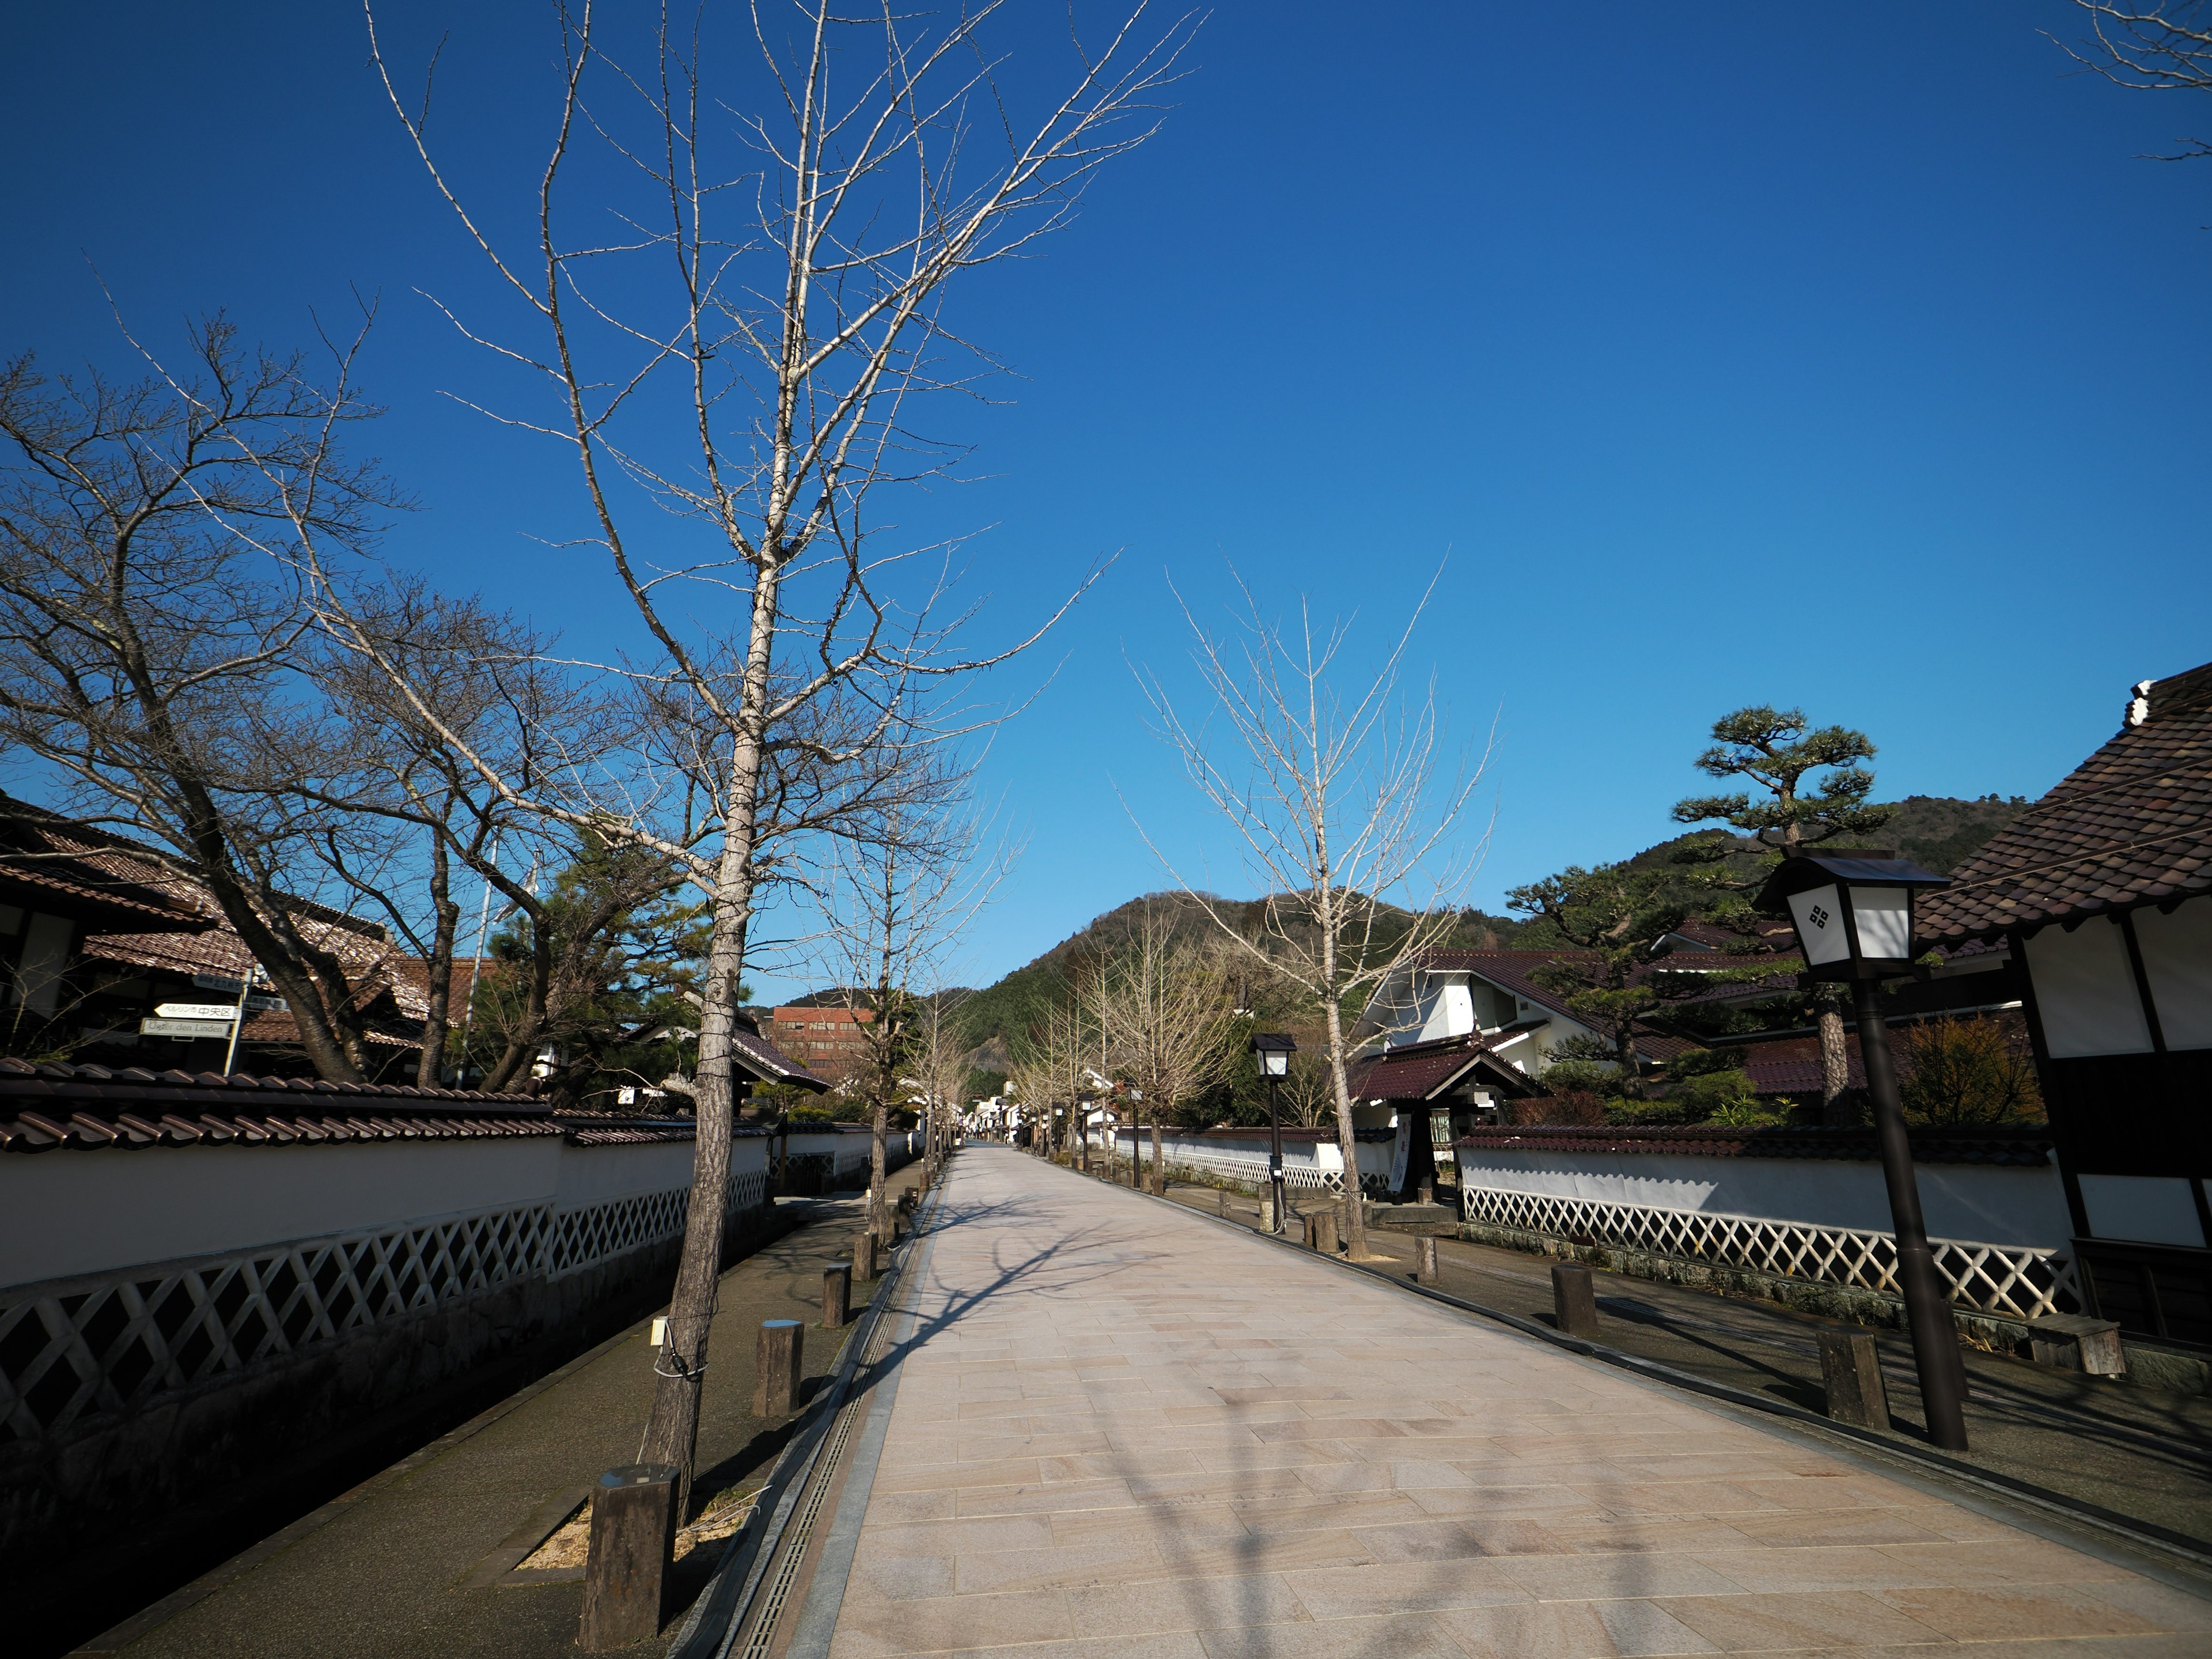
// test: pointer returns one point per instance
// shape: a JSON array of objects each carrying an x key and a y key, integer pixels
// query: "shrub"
[{"x": 1962, "y": 1071}]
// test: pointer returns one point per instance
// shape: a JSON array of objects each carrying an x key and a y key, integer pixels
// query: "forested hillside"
[{"x": 1935, "y": 830}]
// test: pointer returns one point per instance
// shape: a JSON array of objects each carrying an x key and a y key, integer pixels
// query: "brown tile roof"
[
  {"x": 1981, "y": 1145},
  {"x": 2131, "y": 825},
  {"x": 42, "y": 853},
  {"x": 1422, "y": 1071},
  {"x": 89, "y": 1107}
]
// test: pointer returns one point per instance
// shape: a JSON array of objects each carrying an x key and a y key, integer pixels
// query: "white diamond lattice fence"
[
  {"x": 76, "y": 1347},
  {"x": 2017, "y": 1281}
]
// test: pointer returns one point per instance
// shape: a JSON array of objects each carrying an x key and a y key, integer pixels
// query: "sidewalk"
[
  {"x": 1118, "y": 1430},
  {"x": 2139, "y": 1452},
  {"x": 389, "y": 1575}
]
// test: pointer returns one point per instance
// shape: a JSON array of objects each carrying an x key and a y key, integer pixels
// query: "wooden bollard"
[
  {"x": 1321, "y": 1231},
  {"x": 864, "y": 1257},
  {"x": 1425, "y": 1260},
  {"x": 633, "y": 1544},
  {"x": 1574, "y": 1299},
  {"x": 1851, "y": 1370},
  {"x": 836, "y": 1296},
  {"x": 782, "y": 1353},
  {"x": 1221, "y": 1202}
]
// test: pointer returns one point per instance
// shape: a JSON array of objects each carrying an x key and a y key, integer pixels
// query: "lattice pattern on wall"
[
  {"x": 2018, "y": 1281},
  {"x": 100, "y": 1346},
  {"x": 83, "y": 1346}
]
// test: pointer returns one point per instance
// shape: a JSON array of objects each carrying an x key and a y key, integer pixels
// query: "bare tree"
[
  {"x": 1339, "y": 803},
  {"x": 1167, "y": 1013},
  {"x": 896, "y": 903},
  {"x": 2165, "y": 47},
  {"x": 784, "y": 305},
  {"x": 156, "y": 660}
]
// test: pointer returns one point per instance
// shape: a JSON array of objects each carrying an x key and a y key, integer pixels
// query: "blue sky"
[{"x": 1838, "y": 357}]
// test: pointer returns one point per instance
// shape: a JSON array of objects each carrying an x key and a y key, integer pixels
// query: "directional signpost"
[
  {"x": 184, "y": 1028},
  {"x": 196, "y": 1011}
]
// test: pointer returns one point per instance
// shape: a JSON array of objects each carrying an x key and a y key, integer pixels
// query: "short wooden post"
[
  {"x": 1266, "y": 1215},
  {"x": 1425, "y": 1260},
  {"x": 836, "y": 1296},
  {"x": 1321, "y": 1231},
  {"x": 1574, "y": 1299},
  {"x": 2074, "y": 1342},
  {"x": 864, "y": 1257},
  {"x": 633, "y": 1544},
  {"x": 1221, "y": 1202},
  {"x": 782, "y": 1348},
  {"x": 1851, "y": 1371}
]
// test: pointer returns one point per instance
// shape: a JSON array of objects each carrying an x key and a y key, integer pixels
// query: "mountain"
[{"x": 1937, "y": 831}]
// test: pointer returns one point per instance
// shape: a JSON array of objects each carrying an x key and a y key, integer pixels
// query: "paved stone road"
[{"x": 1124, "y": 1431}]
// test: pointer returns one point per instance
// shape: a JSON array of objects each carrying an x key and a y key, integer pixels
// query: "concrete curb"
[
  {"x": 727, "y": 1605},
  {"x": 2197, "y": 1552}
]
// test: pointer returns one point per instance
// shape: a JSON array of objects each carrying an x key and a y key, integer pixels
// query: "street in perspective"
[{"x": 1087, "y": 833}]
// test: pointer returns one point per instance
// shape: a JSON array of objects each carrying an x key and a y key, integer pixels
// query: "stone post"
[
  {"x": 782, "y": 1348},
  {"x": 1851, "y": 1371},
  {"x": 864, "y": 1257},
  {"x": 836, "y": 1296},
  {"x": 633, "y": 1544},
  {"x": 1573, "y": 1299},
  {"x": 1424, "y": 1262}
]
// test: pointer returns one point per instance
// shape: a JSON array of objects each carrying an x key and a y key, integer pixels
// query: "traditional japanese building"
[{"x": 2103, "y": 891}]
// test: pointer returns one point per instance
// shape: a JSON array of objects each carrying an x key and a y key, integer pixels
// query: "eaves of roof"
[
  {"x": 2029, "y": 1147},
  {"x": 89, "y": 1107},
  {"x": 2131, "y": 825}
]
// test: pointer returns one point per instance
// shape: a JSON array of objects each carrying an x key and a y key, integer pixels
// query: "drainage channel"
[{"x": 740, "y": 1612}]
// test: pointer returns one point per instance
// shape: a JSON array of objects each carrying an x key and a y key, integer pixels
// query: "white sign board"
[
  {"x": 1401, "y": 1151},
  {"x": 196, "y": 1011},
  {"x": 184, "y": 1028}
]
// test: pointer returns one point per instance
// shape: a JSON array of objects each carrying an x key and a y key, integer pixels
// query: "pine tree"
[{"x": 1778, "y": 750}]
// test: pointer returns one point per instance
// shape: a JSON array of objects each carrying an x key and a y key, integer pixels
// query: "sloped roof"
[
  {"x": 1423, "y": 1071},
  {"x": 42, "y": 853},
  {"x": 2030, "y": 1147},
  {"x": 762, "y": 1061},
  {"x": 2131, "y": 825},
  {"x": 90, "y": 1108}
]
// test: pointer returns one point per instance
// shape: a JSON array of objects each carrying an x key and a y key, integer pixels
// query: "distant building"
[{"x": 827, "y": 1042}]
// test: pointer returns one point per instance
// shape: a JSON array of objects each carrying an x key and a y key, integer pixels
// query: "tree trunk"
[
  {"x": 879, "y": 1214},
  {"x": 1835, "y": 1065},
  {"x": 1159, "y": 1172},
  {"x": 671, "y": 1431},
  {"x": 429, "y": 1070},
  {"x": 1355, "y": 1213}
]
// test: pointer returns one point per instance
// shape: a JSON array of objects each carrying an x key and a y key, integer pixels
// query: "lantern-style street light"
[
  {"x": 1854, "y": 922},
  {"x": 1273, "y": 1050}
]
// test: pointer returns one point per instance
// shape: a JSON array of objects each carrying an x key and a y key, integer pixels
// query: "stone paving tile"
[{"x": 1107, "y": 1454}]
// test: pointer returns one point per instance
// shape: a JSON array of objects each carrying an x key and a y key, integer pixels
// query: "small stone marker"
[
  {"x": 2076, "y": 1342},
  {"x": 1266, "y": 1215},
  {"x": 782, "y": 1348},
  {"x": 836, "y": 1296},
  {"x": 1425, "y": 1260},
  {"x": 864, "y": 1257},
  {"x": 633, "y": 1544},
  {"x": 1221, "y": 1202},
  {"x": 1321, "y": 1231},
  {"x": 1574, "y": 1299},
  {"x": 1851, "y": 1371}
]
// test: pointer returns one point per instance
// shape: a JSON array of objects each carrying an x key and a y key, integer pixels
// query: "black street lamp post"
[
  {"x": 1854, "y": 922},
  {"x": 1273, "y": 1050}
]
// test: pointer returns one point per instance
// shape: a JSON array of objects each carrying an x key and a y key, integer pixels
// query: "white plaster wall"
[
  {"x": 592, "y": 1175},
  {"x": 65, "y": 1212},
  {"x": 1981, "y": 1203}
]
